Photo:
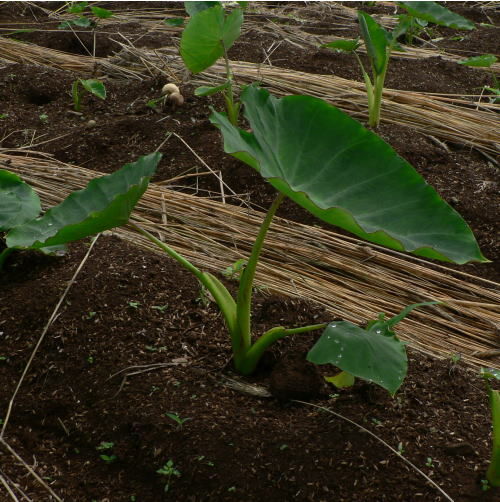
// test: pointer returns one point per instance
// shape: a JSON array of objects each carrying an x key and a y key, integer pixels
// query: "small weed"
[
  {"x": 90, "y": 359},
  {"x": 401, "y": 449},
  {"x": 160, "y": 308},
  {"x": 44, "y": 118},
  {"x": 134, "y": 305},
  {"x": 376, "y": 421},
  {"x": 283, "y": 447},
  {"x": 231, "y": 489},
  {"x": 104, "y": 446},
  {"x": 168, "y": 470},
  {"x": 429, "y": 462},
  {"x": 90, "y": 315},
  {"x": 202, "y": 458},
  {"x": 3, "y": 115},
  {"x": 485, "y": 485},
  {"x": 177, "y": 419}
]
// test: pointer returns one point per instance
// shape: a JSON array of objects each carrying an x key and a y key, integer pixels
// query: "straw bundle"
[{"x": 350, "y": 279}]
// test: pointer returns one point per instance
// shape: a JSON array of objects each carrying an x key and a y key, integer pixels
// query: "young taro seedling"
[
  {"x": 493, "y": 473},
  {"x": 357, "y": 182},
  {"x": 379, "y": 43},
  {"x": 105, "y": 203},
  {"x": 82, "y": 21},
  {"x": 95, "y": 87},
  {"x": 208, "y": 36}
]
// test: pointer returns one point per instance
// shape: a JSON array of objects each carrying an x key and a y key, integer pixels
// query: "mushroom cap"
[
  {"x": 176, "y": 98},
  {"x": 169, "y": 89}
]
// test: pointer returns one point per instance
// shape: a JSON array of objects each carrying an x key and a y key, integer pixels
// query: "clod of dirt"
[{"x": 296, "y": 378}]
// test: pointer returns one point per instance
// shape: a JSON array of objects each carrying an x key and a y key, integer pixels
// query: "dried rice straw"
[{"x": 352, "y": 280}]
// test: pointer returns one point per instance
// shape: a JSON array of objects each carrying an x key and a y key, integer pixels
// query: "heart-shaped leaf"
[
  {"x": 437, "y": 14},
  {"x": 19, "y": 203},
  {"x": 364, "y": 354},
  {"x": 346, "y": 175},
  {"x": 208, "y": 34},
  {"x": 95, "y": 87},
  {"x": 105, "y": 203}
]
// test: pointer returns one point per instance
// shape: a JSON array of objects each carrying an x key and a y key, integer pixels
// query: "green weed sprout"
[
  {"x": 356, "y": 182},
  {"x": 95, "y": 87},
  {"x": 379, "y": 43},
  {"x": 493, "y": 472},
  {"x": 169, "y": 470},
  {"x": 208, "y": 36},
  {"x": 105, "y": 203},
  {"x": 485, "y": 61}
]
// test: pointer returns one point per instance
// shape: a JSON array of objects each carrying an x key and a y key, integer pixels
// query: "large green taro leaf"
[
  {"x": 366, "y": 354},
  {"x": 18, "y": 201},
  {"x": 208, "y": 33},
  {"x": 346, "y": 175},
  {"x": 437, "y": 14},
  {"x": 105, "y": 203}
]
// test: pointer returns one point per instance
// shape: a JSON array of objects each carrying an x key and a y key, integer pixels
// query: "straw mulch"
[
  {"x": 454, "y": 119},
  {"x": 352, "y": 280}
]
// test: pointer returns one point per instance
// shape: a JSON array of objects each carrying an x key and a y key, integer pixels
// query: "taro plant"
[
  {"x": 93, "y": 86},
  {"x": 81, "y": 21},
  {"x": 105, "y": 203},
  {"x": 379, "y": 43},
  {"x": 208, "y": 36},
  {"x": 344, "y": 174},
  {"x": 493, "y": 473}
]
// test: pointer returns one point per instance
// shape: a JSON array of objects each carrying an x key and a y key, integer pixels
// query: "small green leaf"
[
  {"x": 95, "y": 87},
  {"x": 193, "y": 8},
  {"x": 364, "y": 354},
  {"x": 437, "y": 14},
  {"x": 483, "y": 61},
  {"x": 101, "y": 13},
  {"x": 342, "y": 45},
  {"x": 490, "y": 373},
  {"x": 375, "y": 38},
  {"x": 174, "y": 21},
  {"x": 19, "y": 203},
  {"x": 82, "y": 22},
  {"x": 208, "y": 91},
  {"x": 342, "y": 380},
  {"x": 76, "y": 7}
]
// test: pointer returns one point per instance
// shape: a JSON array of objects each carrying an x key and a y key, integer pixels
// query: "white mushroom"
[
  {"x": 169, "y": 89},
  {"x": 176, "y": 98}
]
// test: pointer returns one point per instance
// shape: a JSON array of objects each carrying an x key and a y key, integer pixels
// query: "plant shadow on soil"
[{"x": 130, "y": 308}]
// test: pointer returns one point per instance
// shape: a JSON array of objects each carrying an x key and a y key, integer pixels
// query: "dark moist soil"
[{"x": 129, "y": 309}]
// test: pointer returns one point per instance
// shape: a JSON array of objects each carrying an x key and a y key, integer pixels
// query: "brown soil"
[{"x": 130, "y": 310}]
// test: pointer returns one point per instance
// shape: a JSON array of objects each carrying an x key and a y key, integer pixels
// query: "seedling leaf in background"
[
  {"x": 76, "y": 7},
  {"x": 175, "y": 21},
  {"x": 345, "y": 175},
  {"x": 193, "y": 8},
  {"x": 95, "y": 87},
  {"x": 208, "y": 35},
  {"x": 208, "y": 91},
  {"x": 437, "y": 14},
  {"x": 19, "y": 203},
  {"x": 493, "y": 473},
  {"x": 343, "y": 45},
  {"x": 483, "y": 61},
  {"x": 101, "y": 13}
]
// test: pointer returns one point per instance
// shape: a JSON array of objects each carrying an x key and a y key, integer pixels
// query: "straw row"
[{"x": 352, "y": 280}]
